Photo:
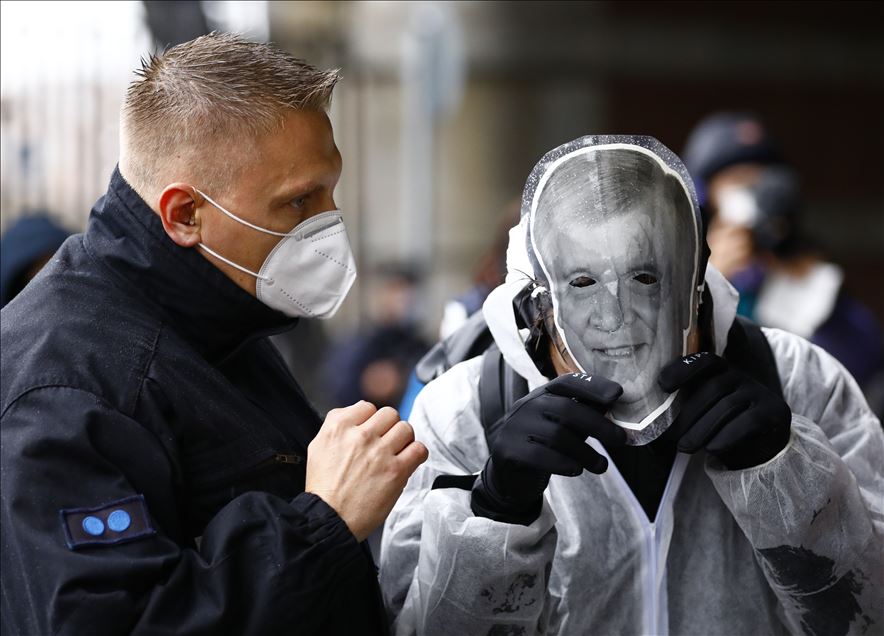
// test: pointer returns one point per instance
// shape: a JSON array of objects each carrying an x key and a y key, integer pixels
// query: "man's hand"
[
  {"x": 725, "y": 411},
  {"x": 544, "y": 434},
  {"x": 359, "y": 463}
]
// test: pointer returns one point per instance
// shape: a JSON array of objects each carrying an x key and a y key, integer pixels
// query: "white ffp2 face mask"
[{"x": 309, "y": 272}]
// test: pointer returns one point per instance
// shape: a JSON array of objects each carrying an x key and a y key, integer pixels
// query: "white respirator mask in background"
[{"x": 309, "y": 272}]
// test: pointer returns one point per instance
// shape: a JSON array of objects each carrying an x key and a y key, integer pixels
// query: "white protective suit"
[{"x": 795, "y": 545}]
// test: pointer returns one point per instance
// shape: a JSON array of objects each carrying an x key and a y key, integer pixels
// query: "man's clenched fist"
[{"x": 359, "y": 463}]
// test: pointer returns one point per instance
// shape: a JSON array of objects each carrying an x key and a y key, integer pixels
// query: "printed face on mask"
[
  {"x": 612, "y": 294},
  {"x": 618, "y": 253}
]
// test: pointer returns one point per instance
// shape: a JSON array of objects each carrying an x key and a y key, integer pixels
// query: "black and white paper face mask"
[{"x": 614, "y": 234}]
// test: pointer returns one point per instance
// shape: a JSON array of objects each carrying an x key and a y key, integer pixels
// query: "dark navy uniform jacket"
[{"x": 153, "y": 453}]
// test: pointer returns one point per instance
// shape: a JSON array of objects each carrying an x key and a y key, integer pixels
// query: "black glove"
[
  {"x": 723, "y": 410},
  {"x": 544, "y": 434}
]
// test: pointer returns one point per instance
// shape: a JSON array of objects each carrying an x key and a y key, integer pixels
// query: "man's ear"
[{"x": 178, "y": 211}]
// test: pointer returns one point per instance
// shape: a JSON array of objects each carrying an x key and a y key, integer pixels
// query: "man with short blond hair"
[
  {"x": 162, "y": 471},
  {"x": 211, "y": 93}
]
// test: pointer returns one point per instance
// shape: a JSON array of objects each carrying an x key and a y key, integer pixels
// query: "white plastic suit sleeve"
[
  {"x": 814, "y": 514},
  {"x": 443, "y": 570}
]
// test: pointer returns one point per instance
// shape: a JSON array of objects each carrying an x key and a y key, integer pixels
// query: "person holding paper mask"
[{"x": 665, "y": 472}]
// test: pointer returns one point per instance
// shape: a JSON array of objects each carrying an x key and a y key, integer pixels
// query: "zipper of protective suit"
[
  {"x": 652, "y": 621},
  {"x": 655, "y": 620},
  {"x": 658, "y": 619}
]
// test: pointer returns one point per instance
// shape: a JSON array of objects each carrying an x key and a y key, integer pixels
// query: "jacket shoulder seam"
[{"x": 146, "y": 368}]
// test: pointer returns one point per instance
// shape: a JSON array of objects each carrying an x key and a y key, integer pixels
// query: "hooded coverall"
[{"x": 795, "y": 545}]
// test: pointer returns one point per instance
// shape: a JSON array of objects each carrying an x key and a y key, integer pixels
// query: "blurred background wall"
[{"x": 445, "y": 107}]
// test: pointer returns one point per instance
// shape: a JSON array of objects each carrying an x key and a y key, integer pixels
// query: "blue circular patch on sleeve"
[
  {"x": 93, "y": 526},
  {"x": 119, "y": 520}
]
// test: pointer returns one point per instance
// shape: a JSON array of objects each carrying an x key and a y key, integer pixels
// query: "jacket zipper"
[
  {"x": 282, "y": 458},
  {"x": 275, "y": 458},
  {"x": 266, "y": 461}
]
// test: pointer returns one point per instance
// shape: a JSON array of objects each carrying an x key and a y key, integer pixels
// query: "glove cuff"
[
  {"x": 758, "y": 449},
  {"x": 487, "y": 501}
]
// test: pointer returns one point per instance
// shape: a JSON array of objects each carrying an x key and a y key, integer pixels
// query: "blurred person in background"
[
  {"x": 374, "y": 363},
  {"x": 24, "y": 249},
  {"x": 634, "y": 459},
  {"x": 755, "y": 206},
  {"x": 488, "y": 273},
  {"x": 162, "y": 471}
]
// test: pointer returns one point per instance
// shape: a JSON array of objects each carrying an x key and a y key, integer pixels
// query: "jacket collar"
[{"x": 198, "y": 301}]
